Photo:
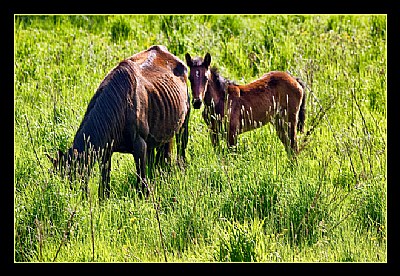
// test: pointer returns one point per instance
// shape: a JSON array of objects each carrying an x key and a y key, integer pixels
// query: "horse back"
[
  {"x": 273, "y": 91},
  {"x": 275, "y": 85}
]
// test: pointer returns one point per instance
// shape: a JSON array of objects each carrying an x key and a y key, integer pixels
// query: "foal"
[{"x": 276, "y": 97}]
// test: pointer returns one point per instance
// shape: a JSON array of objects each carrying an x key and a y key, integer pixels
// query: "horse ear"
[
  {"x": 188, "y": 60},
  {"x": 207, "y": 60}
]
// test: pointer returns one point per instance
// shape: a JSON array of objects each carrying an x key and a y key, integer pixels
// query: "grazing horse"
[
  {"x": 140, "y": 106},
  {"x": 276, "y": 97}
]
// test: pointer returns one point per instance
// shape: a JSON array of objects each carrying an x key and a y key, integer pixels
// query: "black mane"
[
  {"x": 221, "y": 82},
  {"x": 105, "y": 115}
]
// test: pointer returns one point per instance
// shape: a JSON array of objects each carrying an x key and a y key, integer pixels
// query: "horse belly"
[
  {"x": 254, "y": 116},
  {"x": 167, "y": 112}
]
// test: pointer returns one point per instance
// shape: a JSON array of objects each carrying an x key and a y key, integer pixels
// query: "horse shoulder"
[{"x": 234, "y": 91}]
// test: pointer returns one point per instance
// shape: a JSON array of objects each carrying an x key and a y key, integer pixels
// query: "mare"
[
  {"x": 140, "y": 106},
  {"x": 276, "y": 97}
]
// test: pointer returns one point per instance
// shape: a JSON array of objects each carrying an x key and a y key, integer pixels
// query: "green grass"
[{"x": 247, "y": 205}]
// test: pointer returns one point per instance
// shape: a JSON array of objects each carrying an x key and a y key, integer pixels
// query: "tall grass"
[{"x": 250, "y": 204}]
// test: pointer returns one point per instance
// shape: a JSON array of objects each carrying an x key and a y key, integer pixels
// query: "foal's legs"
[
  {"x": 215, "y": 131},
  {"x": 232, "y": 134},
  {"x": 285, "y": 132},
  {"x": 212, "y": 122},
  {"x": 293, "y": 119},
  {"x": 293, "y": 135}
]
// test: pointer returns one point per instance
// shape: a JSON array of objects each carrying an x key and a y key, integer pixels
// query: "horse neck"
[
  {"x": 215, "y": 93},
  {"x": 103, "y": 121},
  {"x": 89, "y": 139},
  {"x": 85, "y": 142},
  {"x": 82, "y": 141},
  {"x": 85, "y": 151}
]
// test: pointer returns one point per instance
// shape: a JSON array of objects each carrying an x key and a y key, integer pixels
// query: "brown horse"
[
  {"x": 276, "y": 97},
  {"x": 139, "y": 106}
]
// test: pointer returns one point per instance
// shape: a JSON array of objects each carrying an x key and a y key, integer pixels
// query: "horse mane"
[
  {"x": 220, "y": 82},
  {"x": 105, "y": 114}
]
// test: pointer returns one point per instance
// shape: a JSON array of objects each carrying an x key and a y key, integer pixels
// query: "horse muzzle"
[{"x": 197, "y": 103}]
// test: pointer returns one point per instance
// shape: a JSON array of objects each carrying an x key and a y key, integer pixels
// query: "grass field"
[{"x": 251, "y": 204}]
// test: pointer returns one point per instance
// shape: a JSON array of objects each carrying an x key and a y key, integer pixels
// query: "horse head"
[
  {"x": 198, "y": 76},
  {"x": 62, "y": 162},
  {"x": 72, "y": 164}
]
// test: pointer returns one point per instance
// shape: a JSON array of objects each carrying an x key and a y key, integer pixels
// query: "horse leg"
[
  {"x": 163, "y": 155},
  {"x": 232, "y": 136},
  {"x": 217, "y": 129},
  {"x": 293, "y": 113},
  {"x": 281, "y": 126},
  {"x": 293, "y": 134},
  {"x": 84, "y": 175},
  {"x": 139, "y": 154},
  {"x": 210, "y": 119},
  {"x": 233, "y": 130},
  {"x": 181, "y": 143},
  {"x": 214, "y": 132},
  {"x": 105, "y": 168},
  {"x": 182, "y": 138},
  {"x": 151, "y": 160}
]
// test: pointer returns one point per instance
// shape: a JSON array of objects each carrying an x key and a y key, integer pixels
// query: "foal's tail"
[{"x": 302, "y": 111}]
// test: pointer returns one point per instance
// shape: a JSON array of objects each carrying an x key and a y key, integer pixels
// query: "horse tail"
[{"x": 302, "y": 111}]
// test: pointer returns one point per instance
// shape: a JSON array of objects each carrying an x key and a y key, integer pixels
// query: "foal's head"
[{"x": 199, "y": 76}]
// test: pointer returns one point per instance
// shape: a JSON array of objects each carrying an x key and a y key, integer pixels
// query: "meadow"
[{"x": 250, "y": 204}]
